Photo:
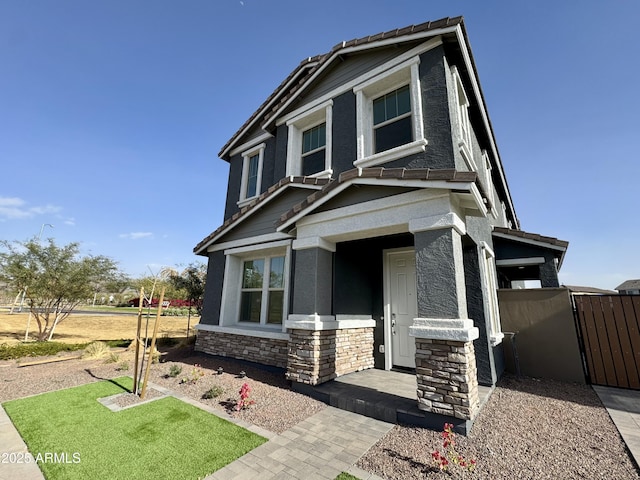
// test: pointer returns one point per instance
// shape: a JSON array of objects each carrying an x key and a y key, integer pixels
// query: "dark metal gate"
[{"x": 610, "y": 331}]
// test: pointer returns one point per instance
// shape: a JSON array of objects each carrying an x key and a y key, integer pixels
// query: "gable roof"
[
  {"x": 629, "y": 285},
  {"x": 303, "y": 76},
  {"x": 417, "y": 177},
  {"x": 255, "y": 205},
  {"x": 300, "y": 77}
]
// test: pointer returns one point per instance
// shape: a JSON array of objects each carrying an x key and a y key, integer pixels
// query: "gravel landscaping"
[{"x": 529, "y": 429}]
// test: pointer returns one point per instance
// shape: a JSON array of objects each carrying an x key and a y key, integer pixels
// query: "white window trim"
[
  {"x": 406, "y": 73},
  {"x": 462, "y": 116},
  {"x": 322, "y": 113},
  {"x": 257, "y": 150},
  {"x": 232, "y": 283},
  {"x": 489, "y": 189},
  {"x": 490, "y": 293}
]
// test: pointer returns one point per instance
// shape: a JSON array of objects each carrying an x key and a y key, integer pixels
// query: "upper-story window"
[
  {"x": 389, "y": 115},
  {"x": 314, "y": 142},
  {"x": 310, "y": 140},
  {"x": 251, "y": 173},
  {"x": 392, "y": 119},
  {"x": 464, "y": 124}
]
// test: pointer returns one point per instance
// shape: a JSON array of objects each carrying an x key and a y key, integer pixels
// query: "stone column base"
[
  {"x": 317, "y": 356},
  {"x": 447, "y": 378}
]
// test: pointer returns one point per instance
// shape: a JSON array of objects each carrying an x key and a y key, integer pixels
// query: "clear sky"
[{"x": 112, "y": 114}]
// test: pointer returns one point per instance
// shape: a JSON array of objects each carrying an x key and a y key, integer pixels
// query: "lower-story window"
[{"x": 262, "y": 290}]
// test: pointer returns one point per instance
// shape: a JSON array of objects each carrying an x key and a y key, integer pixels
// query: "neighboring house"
[
  {"x": 630, "y": 287},
  {"x": 367, "y": 209},
  {"x": 581, "y": 290}
]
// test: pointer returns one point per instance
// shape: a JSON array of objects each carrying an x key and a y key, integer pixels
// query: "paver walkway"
[
  {"x": 321, "y": 447},
  {"x": 624, "y": 409}
]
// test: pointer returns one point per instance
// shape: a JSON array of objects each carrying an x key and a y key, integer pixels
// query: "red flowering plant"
[
  {"x": 245, "y": 401},
  {"x": 450, "y": 455}
]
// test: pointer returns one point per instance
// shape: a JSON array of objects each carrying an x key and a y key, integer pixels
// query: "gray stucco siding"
[
  {"x": 313, "y": 277},
  {"x": 233, "y": 186},
  {"x": 213, "y": 289},
  {"x": 343, "y": 152},
  {"x": 360, "y": 194},
  {"x": 280, "y": 167},
  {"x": 435, "y": 110},
  {"x": 264, "y": 220},
  {"x": 352, "y": 67}
]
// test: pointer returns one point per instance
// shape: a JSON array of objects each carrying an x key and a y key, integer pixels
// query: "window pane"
[
  {"x": 313, "y": 163},
  {"x": 379, "y": 111},
  {"x": 393, "y": 134},
  {"x": 404, "y": 100},
  {"x": 250, "y": 307},
  {"x": 253, "y": 273},
  {"x": 314, "y": 138},
  {"x": 276, "y": 276},
  {"x": 252, "y": 178},
  {"x": 391, "y": 105},
  {"x": 276, "y": 300}
]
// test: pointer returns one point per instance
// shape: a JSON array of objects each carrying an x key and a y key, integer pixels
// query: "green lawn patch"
[{"x": 166, "y": 438}]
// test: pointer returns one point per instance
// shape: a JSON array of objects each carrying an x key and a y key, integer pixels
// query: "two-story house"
[{"x": 365, "y": 204}]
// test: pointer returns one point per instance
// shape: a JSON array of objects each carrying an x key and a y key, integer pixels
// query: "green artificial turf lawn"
[{"x": 166, "y": 438}]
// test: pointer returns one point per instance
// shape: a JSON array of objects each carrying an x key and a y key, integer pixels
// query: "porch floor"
[{"x": 386, "y": 395}]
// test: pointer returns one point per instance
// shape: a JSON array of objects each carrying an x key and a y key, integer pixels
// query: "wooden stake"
[
  {"x": 153, "y": 346},
  {"x": 135, "y": 367}
]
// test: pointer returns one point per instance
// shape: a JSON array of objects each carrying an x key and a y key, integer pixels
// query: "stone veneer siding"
[
  {"x": 447, "y": 378},
  {"x": 317, "y": 356},
  {"x": 267, "y": 351}
]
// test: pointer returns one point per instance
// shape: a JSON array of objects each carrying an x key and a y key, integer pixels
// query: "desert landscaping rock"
[{"x": 529, "y": 429}]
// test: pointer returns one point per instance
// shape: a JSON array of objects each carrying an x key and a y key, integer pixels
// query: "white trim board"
[{"x": 516, "y": 262}]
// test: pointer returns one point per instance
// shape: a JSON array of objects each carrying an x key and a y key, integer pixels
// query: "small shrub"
[
  {"x": 96, "y": 350},
  {"x": 195, "y": 375},
  {"x": 449, "y": 455},
  {"x": 167, "y": 341},
  {"x": 37, "y": 349},
  {"x": 245, "y": 402},
  {"x": 175, "y": 370},
  {"x": 213, "y": 392},
  {"x": 124, "y": 366},
  {"x": 112, "y": 358}
]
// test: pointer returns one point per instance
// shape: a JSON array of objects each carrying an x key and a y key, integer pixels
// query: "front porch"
[{"x": 385, "y": 395}]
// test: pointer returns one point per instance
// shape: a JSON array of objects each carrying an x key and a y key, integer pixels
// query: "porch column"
[
  {"x": 445, "y": 359},
  {"x": 313, "y": 278},
  {"x": 311, "y": 355}
]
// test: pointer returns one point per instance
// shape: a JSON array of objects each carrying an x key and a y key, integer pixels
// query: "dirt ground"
[{"x": 82, "y": 328}]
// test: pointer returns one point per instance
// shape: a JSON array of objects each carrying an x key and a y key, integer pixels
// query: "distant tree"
[
  {"x": 191, "y": 281},
  {"x": 55, "y": 279}
]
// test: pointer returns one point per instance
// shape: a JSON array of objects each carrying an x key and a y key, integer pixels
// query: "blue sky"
[{"x": 112, "y": 114}]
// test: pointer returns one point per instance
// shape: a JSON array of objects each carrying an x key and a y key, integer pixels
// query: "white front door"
[{"x": 402, "y": 306}]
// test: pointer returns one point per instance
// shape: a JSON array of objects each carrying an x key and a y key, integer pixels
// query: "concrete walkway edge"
[
  {"x": 623, "y": 407},
  {"x": 19, "y": 462}
]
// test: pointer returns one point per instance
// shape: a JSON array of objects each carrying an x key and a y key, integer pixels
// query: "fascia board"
[
  {"x": 530, "y": 241},
  {"x": 266, "y": 108}
]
